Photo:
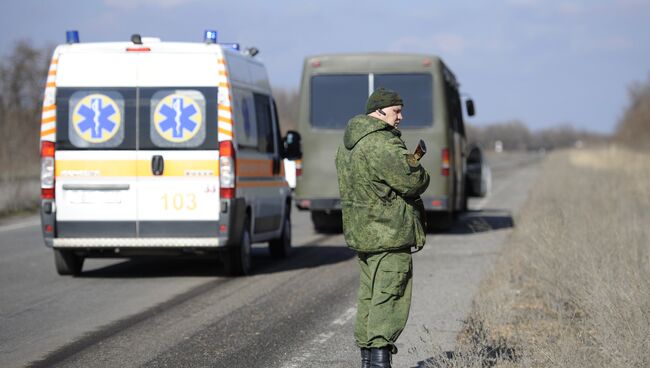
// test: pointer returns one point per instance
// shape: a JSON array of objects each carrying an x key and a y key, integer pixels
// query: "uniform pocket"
[{"x": 395, "y": 273}]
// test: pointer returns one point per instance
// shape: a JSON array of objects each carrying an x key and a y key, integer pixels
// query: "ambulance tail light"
[
  {"x": 298, "y": 168},
  {"x": 226, "y": 170},
  {"x": 444, "y": 167},
  {"x": 47, "y": 170}
]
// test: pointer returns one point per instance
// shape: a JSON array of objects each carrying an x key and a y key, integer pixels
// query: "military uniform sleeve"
[{"x": 392, "y": 164}]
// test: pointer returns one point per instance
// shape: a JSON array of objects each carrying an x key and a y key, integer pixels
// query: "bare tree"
[
  {"x": 634, "y": 127},
  {"x": 22, "y": 80},
  {"x": 287, "y": 103}
]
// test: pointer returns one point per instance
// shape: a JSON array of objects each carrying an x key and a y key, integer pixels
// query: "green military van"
[{"x": 335, "y": 88}]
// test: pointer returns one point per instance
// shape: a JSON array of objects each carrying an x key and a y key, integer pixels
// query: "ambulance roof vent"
[
  {"x": 252, "y": 51},
  {"x": 136, "y": 39},
  {"x": 72, "y": 36}
]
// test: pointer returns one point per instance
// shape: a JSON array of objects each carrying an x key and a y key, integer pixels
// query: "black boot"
[
  {"x": 365, "y": 358},
  {"x": 380, "y": 358}
]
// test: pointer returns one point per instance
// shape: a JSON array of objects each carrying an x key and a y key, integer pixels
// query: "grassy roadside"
[{"x": 572, "y": 285}]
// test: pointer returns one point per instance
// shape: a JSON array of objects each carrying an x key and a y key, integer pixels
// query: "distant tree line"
[{"x": 515, "y": 135}]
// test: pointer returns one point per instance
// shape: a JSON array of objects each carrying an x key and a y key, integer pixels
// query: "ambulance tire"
[
  {"x": 67, "y": 263},
  {"x": 281, "y": 247},
  {"x": 238, "y": 258}
]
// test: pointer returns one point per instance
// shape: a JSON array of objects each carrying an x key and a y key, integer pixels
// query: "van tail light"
[
  {"x": 444, "y": 167},
  {"x": 298, "y": 168},
  {"x": 226, "y": 170},
  {"x": 47, "y": 170}
]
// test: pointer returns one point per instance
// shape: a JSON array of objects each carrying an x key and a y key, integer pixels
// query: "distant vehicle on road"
[
  {"x": 153, "y": 147},
  {"x": 335, "y": 87}
]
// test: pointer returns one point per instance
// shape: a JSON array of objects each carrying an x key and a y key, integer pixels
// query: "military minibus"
[{"x": 335, "y": 87}]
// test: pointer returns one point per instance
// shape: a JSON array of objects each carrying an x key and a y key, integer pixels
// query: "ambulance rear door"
[
  {"x": 95, "y": 157},
  {"x": 178, "y": 157}
]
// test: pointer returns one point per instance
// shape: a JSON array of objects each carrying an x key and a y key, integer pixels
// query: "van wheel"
[
  {"x": 281, "y": 247},
  {"x": 439, "y": 221},
  {"x": 67, "y": 263},
  {"x": 238, "y": 258},
  {"x": 328, "y": 223}
]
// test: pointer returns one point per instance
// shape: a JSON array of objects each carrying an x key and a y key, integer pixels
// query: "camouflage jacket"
[{"x": 380, "y": 188}]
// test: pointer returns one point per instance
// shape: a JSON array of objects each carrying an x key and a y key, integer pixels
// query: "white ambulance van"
[{"x": 162, "y": 148}]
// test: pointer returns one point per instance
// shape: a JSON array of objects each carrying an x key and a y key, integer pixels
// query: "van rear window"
[
  {"x": 416, "y": 90},
  {"x": 335, "y": 98}
]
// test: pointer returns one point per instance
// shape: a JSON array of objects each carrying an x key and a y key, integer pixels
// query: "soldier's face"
[{"x": 393, "y": 115}]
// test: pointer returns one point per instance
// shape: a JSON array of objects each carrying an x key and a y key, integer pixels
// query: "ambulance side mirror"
[{"x": 292, "y": 146}]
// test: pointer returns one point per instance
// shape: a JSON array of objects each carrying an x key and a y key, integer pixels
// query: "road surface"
[{"x": 299, "y": 312}]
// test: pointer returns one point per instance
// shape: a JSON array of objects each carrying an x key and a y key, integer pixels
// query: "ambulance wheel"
[
  {"x": 281, "y": 247},
  {"x": 238, "y": 259},
  {"x": 67, "y": 263}
]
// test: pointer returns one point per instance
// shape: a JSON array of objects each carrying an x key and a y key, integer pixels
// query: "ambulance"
[{"x": 162, "y": 148}]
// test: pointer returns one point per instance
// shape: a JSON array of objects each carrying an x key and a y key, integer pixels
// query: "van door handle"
[{"x": 157, "y": 165}]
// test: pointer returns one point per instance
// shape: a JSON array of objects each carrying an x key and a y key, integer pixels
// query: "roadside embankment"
[
  {"x": 571, "y": 287},
  {"x": 18, "y": 194}
]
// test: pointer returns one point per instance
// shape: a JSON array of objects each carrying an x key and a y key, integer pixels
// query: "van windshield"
[
  {"x": 335, "y": 98},
  {"x": 416, "y": 89}
]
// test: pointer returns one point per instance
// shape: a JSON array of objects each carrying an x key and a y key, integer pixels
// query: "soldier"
[{"x": 383, "y": 219}]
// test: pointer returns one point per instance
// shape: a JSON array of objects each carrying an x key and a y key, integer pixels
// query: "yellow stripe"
[
  {"x": 224, "y": 85},
  {"x": 50, "y": 84},
  {"x": 225, "y": 109},
  {"x": 49, "y": 119},
  {"x": 49, "y": 107},
  {"x": 104, "y": 168}
]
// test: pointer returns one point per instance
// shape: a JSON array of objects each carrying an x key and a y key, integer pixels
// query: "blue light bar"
[
  {"x": 232, "y": 45},
  {"x": 72, "y": 36},
  {"x": 210, "y": 36}
]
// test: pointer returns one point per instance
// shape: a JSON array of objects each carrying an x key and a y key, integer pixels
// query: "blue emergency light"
[
  {"x": 72, "y": 36},
  {"x": 210, "y": 36},
  {"x": 232, "y": 45}
]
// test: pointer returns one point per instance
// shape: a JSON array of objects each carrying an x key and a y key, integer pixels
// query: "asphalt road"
[{"x": 298, "y": 312}]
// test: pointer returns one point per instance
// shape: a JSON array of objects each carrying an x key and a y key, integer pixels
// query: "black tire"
[
  {"x": 238, "y": 258},
  {"x": 327, "y": 223},
  {"x": 68, "y": 263},
  {"x": 439, "y": 221},
  {"x": 281, "y": 247}
]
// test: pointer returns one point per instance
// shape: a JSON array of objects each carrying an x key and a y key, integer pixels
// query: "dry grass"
[{"x": 572, "y": 287}]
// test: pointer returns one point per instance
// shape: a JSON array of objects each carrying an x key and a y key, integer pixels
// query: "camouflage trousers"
[{"x": 384, "y": 298}]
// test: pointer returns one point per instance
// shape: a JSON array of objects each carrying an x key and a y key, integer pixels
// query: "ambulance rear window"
[
  {"x": 96, "y": 118},
  {"x": 335, "y": 98}
]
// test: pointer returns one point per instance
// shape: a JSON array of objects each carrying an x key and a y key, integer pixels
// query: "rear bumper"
[{"x": 138, "y": 242}]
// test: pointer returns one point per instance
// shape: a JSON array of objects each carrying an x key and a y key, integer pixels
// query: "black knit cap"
[{"x": 383, "y": 97}]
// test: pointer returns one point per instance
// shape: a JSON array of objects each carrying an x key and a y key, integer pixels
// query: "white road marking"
[
  {"x": 322, "y": 338},
  {"x": 19, "y": 225}
]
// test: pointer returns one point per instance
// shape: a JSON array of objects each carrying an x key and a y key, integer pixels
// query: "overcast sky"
[{"x": 542, "y": 62}]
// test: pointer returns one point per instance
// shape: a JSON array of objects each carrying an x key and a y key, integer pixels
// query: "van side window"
[
  {"x": 455, "y": 109},
  {"x": 265, "y": 141},
  {"x": 245, "y": 118}
]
